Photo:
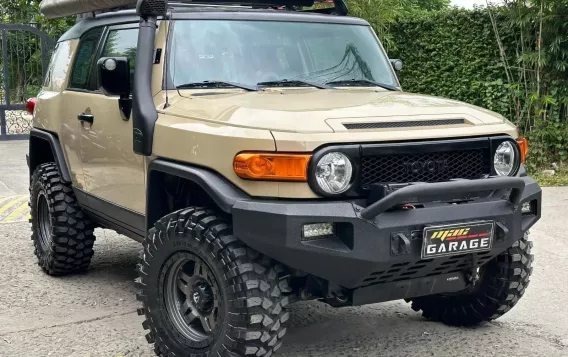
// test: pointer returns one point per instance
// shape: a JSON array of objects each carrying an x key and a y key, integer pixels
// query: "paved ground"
[{"x": 94, "y": 314}]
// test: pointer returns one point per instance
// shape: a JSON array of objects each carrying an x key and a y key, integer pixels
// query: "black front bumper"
[{"x": 366, "y": 256}]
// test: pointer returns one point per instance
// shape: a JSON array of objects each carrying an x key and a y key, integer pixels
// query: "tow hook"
[{"x": 473, "y": 276}]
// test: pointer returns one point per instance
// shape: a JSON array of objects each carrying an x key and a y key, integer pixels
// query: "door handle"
[{"x": 89, "y": 118}]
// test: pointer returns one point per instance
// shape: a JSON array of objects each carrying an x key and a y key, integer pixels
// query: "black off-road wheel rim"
[
  {"x": 43, "y": 222},
  {"x": 192, "y": 298}
]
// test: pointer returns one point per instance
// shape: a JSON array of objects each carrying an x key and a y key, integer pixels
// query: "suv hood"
[{"x": 308, "y": 110}]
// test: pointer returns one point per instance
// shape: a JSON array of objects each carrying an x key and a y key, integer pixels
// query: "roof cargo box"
[{"x": 60, "y": 8}]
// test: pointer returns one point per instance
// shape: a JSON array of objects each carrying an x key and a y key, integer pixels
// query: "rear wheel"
[
  {"x": 502, "y": 283},
  {"x": 62, "y": 234},
  {"x": 204, "y": 293}
]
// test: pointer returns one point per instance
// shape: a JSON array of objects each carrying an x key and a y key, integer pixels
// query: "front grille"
[
  {"x": 423, "y": 167},
  {"x": 425, "y": 268}
]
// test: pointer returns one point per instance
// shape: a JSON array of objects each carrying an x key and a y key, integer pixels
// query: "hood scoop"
[{"x": 404, "y": 124}]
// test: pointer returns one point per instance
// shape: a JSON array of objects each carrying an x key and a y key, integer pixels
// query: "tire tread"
[
  {"x": 507, "y": 280},
  {"x": 72, "y": 234},
  {"x": 255, "y": 327}
]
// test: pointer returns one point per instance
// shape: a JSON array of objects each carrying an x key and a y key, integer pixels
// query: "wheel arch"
[
  {"x": 45, "y": 147},
  {"x": 204, "y": 187}
]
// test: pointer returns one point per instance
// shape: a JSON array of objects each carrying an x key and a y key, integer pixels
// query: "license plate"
[{"x": 440, "y": 241}]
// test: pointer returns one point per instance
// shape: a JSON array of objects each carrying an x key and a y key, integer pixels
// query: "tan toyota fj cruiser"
[{"x": 265, "y": 155}]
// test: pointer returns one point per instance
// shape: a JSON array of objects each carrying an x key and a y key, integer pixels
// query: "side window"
[
  {"x": 57, "y": 70},
  {"x": 122, "y": 43},
  {"x": 84, "y": 59}
]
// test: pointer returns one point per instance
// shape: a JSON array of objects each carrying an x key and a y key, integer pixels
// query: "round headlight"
[
  {"x": 504, "y": 160},
  {"x": 333, "y": 172}
]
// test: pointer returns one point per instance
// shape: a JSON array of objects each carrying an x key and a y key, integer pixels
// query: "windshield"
[{"x": 250, "y": 52}]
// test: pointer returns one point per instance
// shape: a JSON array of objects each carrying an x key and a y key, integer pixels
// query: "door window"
[
  {"x": 81, "y": 75},
  {"x": 122, "y": 43},
  {"x": 57, "y": 70}
]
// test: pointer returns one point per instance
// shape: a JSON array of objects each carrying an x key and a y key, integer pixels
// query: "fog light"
[
  {"x": 527, "y": 207},
  {"x": 318, "y": 230}
]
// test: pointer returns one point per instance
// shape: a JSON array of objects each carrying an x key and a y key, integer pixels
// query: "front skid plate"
[{"x": 445, "y": 283}]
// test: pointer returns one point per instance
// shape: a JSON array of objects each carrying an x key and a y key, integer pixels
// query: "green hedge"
[{"x": 451, "y": 54}]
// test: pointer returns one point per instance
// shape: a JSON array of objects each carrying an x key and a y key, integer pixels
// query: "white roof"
[{"x": 60, "y": 8}]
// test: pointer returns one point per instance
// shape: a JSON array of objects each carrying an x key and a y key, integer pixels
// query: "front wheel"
[
  {"x": 503, "y": 281},
  {"x": 204, "y": 293}
]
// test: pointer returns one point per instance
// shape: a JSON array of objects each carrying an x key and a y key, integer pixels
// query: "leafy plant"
[
  {"x": 381, "y": 14},
  {"x": 24, "y": 49}
]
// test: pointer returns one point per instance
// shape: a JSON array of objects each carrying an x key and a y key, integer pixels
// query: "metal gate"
[{"x": 24, "y": 58}]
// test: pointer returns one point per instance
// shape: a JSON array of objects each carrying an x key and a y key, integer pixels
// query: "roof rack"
[
  {"x": 339, "y": 8},
  {"x": 62, "y": 8}
]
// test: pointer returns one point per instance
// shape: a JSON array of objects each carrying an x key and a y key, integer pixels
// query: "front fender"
[{"x": 222, "y": 192}]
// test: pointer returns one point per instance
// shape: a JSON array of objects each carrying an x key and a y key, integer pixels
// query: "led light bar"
[
  {"x": 528, "y": 207},
  {"x": 318, "y": 230}
]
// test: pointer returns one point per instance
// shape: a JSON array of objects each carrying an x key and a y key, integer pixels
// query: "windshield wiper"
[
  {"x": 361, "y": 82},
  {"x": 293, "y": 82},
  {"x": 216, "y": 84}
]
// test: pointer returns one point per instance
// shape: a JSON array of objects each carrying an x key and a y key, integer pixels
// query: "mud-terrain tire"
[
  {"x": 503, "y": 282},
  {"x": 248, "y": 314},
  {"x": 61, "y": 232}
]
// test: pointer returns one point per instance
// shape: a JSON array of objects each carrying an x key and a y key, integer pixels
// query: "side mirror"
[
  {"x": 114, "y": 76},
  {"x": 114, "y": 79},
  {"x": 397, "y": 64}
]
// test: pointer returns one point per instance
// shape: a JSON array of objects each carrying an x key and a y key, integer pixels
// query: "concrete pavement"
[
  {"x": 13, "y": 169},
  {"x": 93, "y": 314}
]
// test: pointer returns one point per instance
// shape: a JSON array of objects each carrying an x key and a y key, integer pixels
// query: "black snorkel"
[{"x": 144, "y": 113}]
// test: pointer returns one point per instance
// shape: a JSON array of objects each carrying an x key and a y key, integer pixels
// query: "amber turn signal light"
[
  {"x": 277, "y": 167},
  {"x": 523, "y": 148}
]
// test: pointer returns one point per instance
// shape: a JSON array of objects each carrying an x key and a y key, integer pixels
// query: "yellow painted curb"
[
  {"x": 17, "y": 212},
  {"x": 14, "y": 209}
]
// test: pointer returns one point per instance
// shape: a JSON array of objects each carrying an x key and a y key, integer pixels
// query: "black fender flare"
[
  {"x": 522, "y": 171},
  {"x": 221, "y": 191},
  {"x": 35, "y": 157}
]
